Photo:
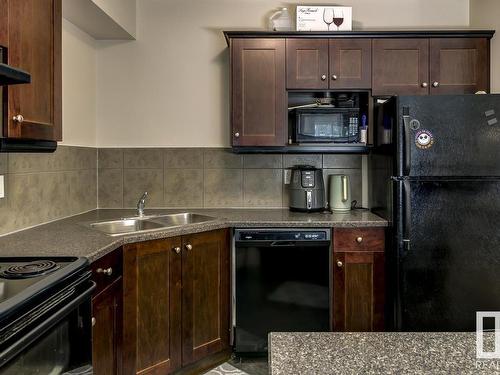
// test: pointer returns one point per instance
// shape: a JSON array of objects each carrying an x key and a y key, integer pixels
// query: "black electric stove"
[{"x": 45, "y": 315}]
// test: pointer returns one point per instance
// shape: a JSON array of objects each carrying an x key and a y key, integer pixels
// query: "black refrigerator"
[{"x": 435, "y": 175}]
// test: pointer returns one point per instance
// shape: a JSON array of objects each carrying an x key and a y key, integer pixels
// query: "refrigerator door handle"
[
  {"x": 407, "y": 215},
  {"x": 407, "y": 141}
]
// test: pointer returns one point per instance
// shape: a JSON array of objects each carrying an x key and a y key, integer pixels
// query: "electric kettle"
[{"x": 339, "y": 193}]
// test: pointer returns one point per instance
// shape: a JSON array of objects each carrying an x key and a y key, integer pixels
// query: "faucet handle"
[{"x": 144, "y": 196}]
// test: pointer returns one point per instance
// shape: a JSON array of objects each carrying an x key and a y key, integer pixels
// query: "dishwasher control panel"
[{"x": 282, "y": 235}]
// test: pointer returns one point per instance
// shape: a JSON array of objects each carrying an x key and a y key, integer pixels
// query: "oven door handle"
[{"x": 21, "y": 343}]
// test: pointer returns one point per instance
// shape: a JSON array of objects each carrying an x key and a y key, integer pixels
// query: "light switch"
[{"x": 2, "y": 190}]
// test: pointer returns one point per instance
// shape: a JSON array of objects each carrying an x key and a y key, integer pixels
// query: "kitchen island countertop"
[
  {"x": 73, "y": 237},
  {"x": 325, "y": 353}
]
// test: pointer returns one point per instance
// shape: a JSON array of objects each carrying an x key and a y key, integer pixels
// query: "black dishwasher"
[{"x": 281, "y": 283}]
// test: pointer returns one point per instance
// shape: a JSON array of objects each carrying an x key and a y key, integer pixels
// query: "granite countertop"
[
  {"x": 378, "y": 353},
  {"x": 71, "y": 237}
]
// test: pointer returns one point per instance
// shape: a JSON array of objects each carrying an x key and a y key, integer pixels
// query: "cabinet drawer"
[
  {"x": 358, "y": 239},
  {"x": 107, "y": 269}
]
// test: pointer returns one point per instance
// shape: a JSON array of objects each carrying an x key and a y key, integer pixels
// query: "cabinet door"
[
  {"x": 307, "y": 63},
  {"x": 34, "y": 35},
  {"x": 152, "y": 307},
  {"x": 459, "y": 66},
  {"x": 358, "y": 291},
  {"x": 205, "y": 295},
  {"x": 350, "y": 63},
  {"x": 107, "y": 330},
  {"x": 400, "y": 67},
  {"x": 259, "y": 104}
]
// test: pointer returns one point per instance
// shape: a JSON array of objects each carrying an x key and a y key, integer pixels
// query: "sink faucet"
[{"x": 141, "y": 204}]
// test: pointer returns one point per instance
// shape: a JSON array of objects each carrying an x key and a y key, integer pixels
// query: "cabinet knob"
[
  {"x": 189, "y": 246},
  {"x": 424, "y": 84},
  {"x": 105, "y": 271},
  {"x": 236, "y": 135},
  {"x": 323, "y": 77},
  {"x": 359, "y": 239},
  {"x": 93, "y": 321},
  {"x": 435, "y": 84},
  {"x": 334, "y": 77},
  {"x": 18, "y": 118},
  {"x": 340, "y": 264},
  {"x": 177, "y": 250}
]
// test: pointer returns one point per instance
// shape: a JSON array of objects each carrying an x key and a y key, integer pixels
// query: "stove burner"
[{"x": 27, "y": 270}]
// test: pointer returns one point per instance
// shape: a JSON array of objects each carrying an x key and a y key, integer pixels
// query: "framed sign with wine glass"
[{"x": 324, "y": 18}]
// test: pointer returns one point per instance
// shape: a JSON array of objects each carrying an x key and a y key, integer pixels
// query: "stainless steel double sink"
[{"x": 140, "y": 224}]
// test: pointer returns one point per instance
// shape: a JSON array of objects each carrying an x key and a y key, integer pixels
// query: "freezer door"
[
  {"x": 448, "y": 135},
  {"x": 447, "y": 253}
]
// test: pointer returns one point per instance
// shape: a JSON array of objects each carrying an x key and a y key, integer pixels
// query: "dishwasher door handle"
[{"x": 283, "y": 243}]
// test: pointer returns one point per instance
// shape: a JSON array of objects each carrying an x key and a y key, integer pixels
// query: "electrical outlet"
[
  {"x": 2, "y": 189},
  {"x": 287, "y": 176}
]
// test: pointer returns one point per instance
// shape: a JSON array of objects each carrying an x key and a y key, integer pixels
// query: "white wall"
[
  {"x": 170, "y": 87},
  {"x": 486, "y": 14},
  {"x": 79, "y": 87}
]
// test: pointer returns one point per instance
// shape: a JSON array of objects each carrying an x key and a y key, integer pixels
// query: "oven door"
[{"x": 57, "y": 345}]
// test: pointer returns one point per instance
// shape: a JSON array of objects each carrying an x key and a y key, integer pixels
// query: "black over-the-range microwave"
[{"x": 327, "y": 124}]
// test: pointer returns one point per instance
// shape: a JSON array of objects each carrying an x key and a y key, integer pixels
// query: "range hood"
[{"x": 13, "y": 76}]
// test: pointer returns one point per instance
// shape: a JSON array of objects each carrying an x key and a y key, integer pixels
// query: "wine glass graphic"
[
  {"x": 328, "y": 17},
  {"x": 338, "y": 18}
]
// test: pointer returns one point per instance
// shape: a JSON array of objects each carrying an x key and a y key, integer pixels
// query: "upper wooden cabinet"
[
  {"x": 430, "y": 66},
  {"x": 459, "y": 66},
  {"x": 350, "y": 63},
  {"x": 328, "y": 63},
  {"x": 400, "y": 66},
  {"x": 259, "y": 107},
  {"x": 307, "y": 63},
  {"x": 34, "y": 44}
]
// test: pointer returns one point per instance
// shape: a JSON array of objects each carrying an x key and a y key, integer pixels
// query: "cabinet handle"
[
  {"x": 334, "y": 77},
  {"x": 177, "y": 249},
  {"x": 189, "y": 246},
  {"x": 236, "y": 135},
  {"x": 18, "y": 118},
  {"x": 435, "y": 84},
  {"x": 359, "y": 239},
  {"x": 424, "y": 84},
  {"x": 323, "y": 77},
  {"x": 105, "y": 271},
  {"x": 340, "y": 264},
  {"x": 93, "y": 321}
]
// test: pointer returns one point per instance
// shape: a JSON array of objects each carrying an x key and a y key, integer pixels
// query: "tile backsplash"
[
  {"x": 207, "y": 178},
  {"x": 44, "y": 187}
]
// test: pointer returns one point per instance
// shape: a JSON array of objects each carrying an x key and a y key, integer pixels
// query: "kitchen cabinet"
[
  {"x": 33, "y": 38},
  {"x": 307, "y": 63},
  {"x": 430, "y": 66},
  {"x": 350, "y": 63},
  {"x": 176, "y": 295},
  {"x": 328, "y": 63},
  {"x": 358, "y": 279},
  {"x": 400, "y": 66},
  {"x": 459, "y": 66},
  {"x": 259, "y": 104},
  {"x": 107, "y": 314}
]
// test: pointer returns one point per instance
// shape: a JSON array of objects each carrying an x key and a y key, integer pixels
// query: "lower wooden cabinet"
[
  {"x": 176, "y": 297},
  {"x": 358, "y": 280},
  {"x": 107, "y": 318}
]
